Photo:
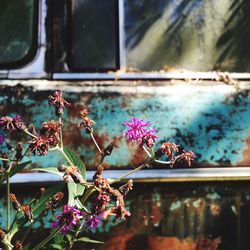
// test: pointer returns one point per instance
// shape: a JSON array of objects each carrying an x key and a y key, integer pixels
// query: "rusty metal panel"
[{"x": 212, "y": 119}]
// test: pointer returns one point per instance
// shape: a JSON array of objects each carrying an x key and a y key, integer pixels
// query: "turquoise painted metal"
[{"x": 212, "y": 119}]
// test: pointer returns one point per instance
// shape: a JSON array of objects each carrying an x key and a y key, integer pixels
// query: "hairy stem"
[
  {"x": 95, "y": 142},
  {"x": 132, "y": 171}
]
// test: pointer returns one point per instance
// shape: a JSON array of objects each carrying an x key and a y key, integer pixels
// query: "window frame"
[{"x": 144, "y": 75}]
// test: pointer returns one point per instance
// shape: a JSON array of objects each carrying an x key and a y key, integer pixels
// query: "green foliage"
[{"x": 74, "y": 189}]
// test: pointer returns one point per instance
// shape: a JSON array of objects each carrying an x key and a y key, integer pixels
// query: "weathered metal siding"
[{"x": 210, "y": 118}]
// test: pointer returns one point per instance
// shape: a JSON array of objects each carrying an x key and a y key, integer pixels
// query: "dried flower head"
[
  {"x": 39, "y": 145},
  {"x": 18, "y": 245},
  {"x": 15, "y": 202},
  {"x": 69, "y": 218},
  {"x": 137, "y": 130},
  {"x": 188, "y": 157},
  {"x": 73, "y": 173},
  {"x": 87, "y": 123},
  {"x": 59, "y": 102},
  {"x": 19, "y": 152},
  {"x": 53, "y": 202},
  {"x": 169, "y": 149},
  {"x": 27, "y": 212},
  {"x": 39, "y": 194},
  {"x": 124, "y": 189},
  {"x": 11, "y": 124},
  {"x": 51, "y": 129}
]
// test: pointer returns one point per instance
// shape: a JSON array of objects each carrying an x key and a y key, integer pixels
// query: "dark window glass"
[
  {"x": 93, "y": 34},
  {"x": 17, "y": 26},
  {"x": 195, "y": 35}
]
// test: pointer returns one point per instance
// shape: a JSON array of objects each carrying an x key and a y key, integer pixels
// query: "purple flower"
[
  {"x": 93, "y": 220},
  {"x": 69, "y": 218},
  {"x": 2, "y": 138},
  {"x": 137, "y": 129}
]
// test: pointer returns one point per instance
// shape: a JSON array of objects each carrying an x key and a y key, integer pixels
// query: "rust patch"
[{"x": 246, "y": 155}]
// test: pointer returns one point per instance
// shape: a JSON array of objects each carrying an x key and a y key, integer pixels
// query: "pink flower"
[
  {"x": 137, "y": 130},
  {"x": 11, "y": 124},
  {"x": 59, "y": 102},
  {"x": 69, "y": 218}
]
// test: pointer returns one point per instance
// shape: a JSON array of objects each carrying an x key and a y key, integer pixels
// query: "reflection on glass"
[
  {"x": 188, "y": 35},
  {"x": 16, "y": 29},
  {"x": 94, "y": 36}
]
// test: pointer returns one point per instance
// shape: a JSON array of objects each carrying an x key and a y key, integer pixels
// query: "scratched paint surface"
[
  {"x": 213, "y": 121},
  {"x": 170, "y": 214}
]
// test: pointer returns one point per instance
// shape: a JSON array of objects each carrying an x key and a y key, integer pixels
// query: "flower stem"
[
  {"x": 65, "y": 156},
  {"x": 28, "y": 133},
  {"x": 132, "y": 171},
  {"x": 46, "y": 240},
  {"x": 60, "y": 133},
  {"x": 95, "y": 142},
  {"x": 8, "y": 200},
  {"x": 75, "y": 236}
]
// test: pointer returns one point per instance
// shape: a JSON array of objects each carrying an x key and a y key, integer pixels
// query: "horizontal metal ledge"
[
  {"x": 149, "y": 175},
  {"x": 148, "y": 76}
]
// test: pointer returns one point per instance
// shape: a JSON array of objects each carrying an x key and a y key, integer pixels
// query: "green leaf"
[
  {"x": 57, "y": 246},
  {"x": 48, "y": 170},
  {"x": 36, "y": 209},
  {"x": 75, "y": 189},
  {"x": 86, "y": 239},
  {"x": 74, "y": 158},
  {"x": 18, "y": 167},
  {"x": 40, "y": 204}
]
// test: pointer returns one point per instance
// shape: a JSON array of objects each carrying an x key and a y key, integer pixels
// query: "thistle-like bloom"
[
  {"x": 93, "y": 220},
  {"x": 69, "y": 218},
  {"x": 59, "y": 102},
  {"x": 11, "y": 124},
  {"x": 137, "y": 129}
]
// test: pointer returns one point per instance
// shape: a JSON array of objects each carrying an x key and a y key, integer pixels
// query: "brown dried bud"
[
  {"x": 108, "y": 150},
  {"x": 40, "y": 193},
  {"x": 18, "y": 245},
  {"x": 62, "y": 168},
  {"x": 27, "y": 212},
  {"x": 15, "y": 202},
  {"x": 169, "y": 148},
  {"x": 2, "y": 234},
  {"x": 19, "y": 152},
  {"x": 124, "y": 189},
  {"x": 98, "y": 172},
  {"x": 54, "y": 201},
  {"x": 5, "y": 163},
  {"x": 74, "y": 173}
]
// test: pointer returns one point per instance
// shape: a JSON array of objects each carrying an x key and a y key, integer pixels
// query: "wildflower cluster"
[{"x": 75, "y": 216}]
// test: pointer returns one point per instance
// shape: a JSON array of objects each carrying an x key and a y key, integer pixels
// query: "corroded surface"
[{"x": 211, "y": 119}]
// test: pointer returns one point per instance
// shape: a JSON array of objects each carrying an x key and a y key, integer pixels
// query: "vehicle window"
[
  {"x": 93, "y": 34},
  {"x": 17, "y": 28},
  {"x": 157, "y": 35},
  {"x": 191, "y": 35}
]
